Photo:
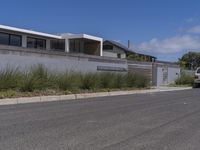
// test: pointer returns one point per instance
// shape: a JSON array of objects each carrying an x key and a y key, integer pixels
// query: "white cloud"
[
  {"x": 171, "y": 45},
  {"x": 195, "y": 29}
]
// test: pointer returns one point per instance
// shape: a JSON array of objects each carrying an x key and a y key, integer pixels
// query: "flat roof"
[
  {"x": 62, "y": 36},
  {"x": 85, "y": 36},
  {"x": 4, "y": 27}
]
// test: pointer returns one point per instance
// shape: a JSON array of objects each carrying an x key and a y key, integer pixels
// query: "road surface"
[{"x": 156, "y": 121}]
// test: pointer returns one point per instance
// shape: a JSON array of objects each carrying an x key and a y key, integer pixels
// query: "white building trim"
[
  {"x": 68, "y": 36},
  {"x": 29, "y": 32}
]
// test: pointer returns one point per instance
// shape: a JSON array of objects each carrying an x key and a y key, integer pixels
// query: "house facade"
[
  {"x": 117, "y": 50},
  {"x": 70, "y": 43},
  {"x": 113, "y": 49}
]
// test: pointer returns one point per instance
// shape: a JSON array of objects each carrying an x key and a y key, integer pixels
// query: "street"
[{"x": 153, "y": 121}]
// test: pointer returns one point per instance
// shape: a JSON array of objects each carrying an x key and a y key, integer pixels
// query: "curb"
[{"x": 24, "y": 100}]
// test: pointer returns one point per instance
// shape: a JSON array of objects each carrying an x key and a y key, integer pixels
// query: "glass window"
[
  {"x": 36, "y": 43},
  {"x": 31, "y": 43},
  {"x": 118, "y": 55},
  {"x": 40, "y": 44},
  {"x": 58, "y": 45},
  {"x": 4, "y": 38},
  {"x": 15, "y": 40},
  {"x": 72, "y": 45},
  {"x": 108, "y": 47},
  {"x": 77, "y": 46}
]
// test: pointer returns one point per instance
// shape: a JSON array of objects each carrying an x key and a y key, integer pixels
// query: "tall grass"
[
  {"x": 185, "y": 80},
  {"x": 9, "y": 78},
  {"x": 39, "y": 78}
]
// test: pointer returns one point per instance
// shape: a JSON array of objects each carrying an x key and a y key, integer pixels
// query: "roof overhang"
[
  {"x": 25, "y": 31},
  {"x": 81, "y": 36}
]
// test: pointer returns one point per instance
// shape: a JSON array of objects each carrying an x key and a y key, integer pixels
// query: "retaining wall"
[{"x": 24, "y": 58}]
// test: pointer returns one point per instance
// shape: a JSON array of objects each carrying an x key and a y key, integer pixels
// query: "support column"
[
  {"x": 67, "y": 45},
  {"x": 24, "y": 41},
  {"x": 48, "y": 44},
  {"x": 101, "y": 48}
]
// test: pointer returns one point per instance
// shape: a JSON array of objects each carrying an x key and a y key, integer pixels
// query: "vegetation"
[
  {"x": 190, "y": 60},
  {"x": 39, "y": 81},
  {"x": 185, "y": 80},
  {"x": 135, "y": 57}
]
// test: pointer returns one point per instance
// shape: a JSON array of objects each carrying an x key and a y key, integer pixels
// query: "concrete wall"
[
  {"x": 57, "y": 61},
  {"x": 113, "y": 54},
  {"x": 23, "y": 58},
  {"x": 143, "y": 68}
]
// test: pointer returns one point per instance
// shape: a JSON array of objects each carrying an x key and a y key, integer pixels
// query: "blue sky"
[{"x": 164, "y": 28}]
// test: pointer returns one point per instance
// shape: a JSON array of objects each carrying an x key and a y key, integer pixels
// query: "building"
[
  {"x": 118, "y": 50},
  {"x": 70, "y": 43}
]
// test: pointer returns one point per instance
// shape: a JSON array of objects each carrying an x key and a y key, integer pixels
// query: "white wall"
[
  {"x": 54, "y": 63},
  {"x": 109, "y": 54},
  {"x": 172, "y": 74}
]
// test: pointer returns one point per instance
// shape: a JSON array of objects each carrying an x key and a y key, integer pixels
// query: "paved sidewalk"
[{"x": 23, "y": 100}]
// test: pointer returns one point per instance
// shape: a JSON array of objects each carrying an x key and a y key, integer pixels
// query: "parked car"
[{"x": 197, "y": 78}]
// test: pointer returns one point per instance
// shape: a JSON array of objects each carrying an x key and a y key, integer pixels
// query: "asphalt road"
[{"x": 158, "y": 121}]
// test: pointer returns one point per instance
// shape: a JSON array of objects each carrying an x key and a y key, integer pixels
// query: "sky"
[{"x": 164, "y": 28}]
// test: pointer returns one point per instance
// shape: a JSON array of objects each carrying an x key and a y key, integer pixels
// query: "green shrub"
[
  {"x": 38, "y": 78},
  {"x": 28, "y": 84},
  {"x": 118, "y": 81},
  {"x": 9, "y": 78},
  {"x": 185, "y": 80},
  {"x": 68, "y": 81},
  {"x": 130, "y": 80},
  {"x": 136, "y": 80},
  {"x": 106, "y": 80},
  {"x": 141, "y": 81},
  {"x": 90, "y": 81},
  {"x": 7, "y": 94}
]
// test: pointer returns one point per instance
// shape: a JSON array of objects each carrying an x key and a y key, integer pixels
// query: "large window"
[
  {"x": 4, "y": 38},
  {"x": 15, "y": 40},
  {"x": 75, "y": 46},
  {"x": 108, "y": 47},
  {"x": 58, "y": 45},
  {"x": 36, "y": 43},
  {"x": 10, "y": 39}
]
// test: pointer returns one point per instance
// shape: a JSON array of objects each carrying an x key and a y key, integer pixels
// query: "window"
[
  {"x": 75, "y": 46},
  {"x": 118, "y": 55},
  {"x": 36, "y": 43},
  {"x": 31, "y": 43},
  {"x": 4, "y": 38},
  {"x": 40, "y": 44},
  {"x": 15, "y": 40},
  {"x": 10, "y": 39},
  {"x": 108, "y": 47},
  {"x": 58, "y": 45}
]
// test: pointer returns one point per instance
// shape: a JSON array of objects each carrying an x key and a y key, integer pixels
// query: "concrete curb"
[{"x": 25, "y": 100}]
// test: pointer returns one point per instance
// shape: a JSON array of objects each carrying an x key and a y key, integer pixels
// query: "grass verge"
[{"x": 39, "y": 81}]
